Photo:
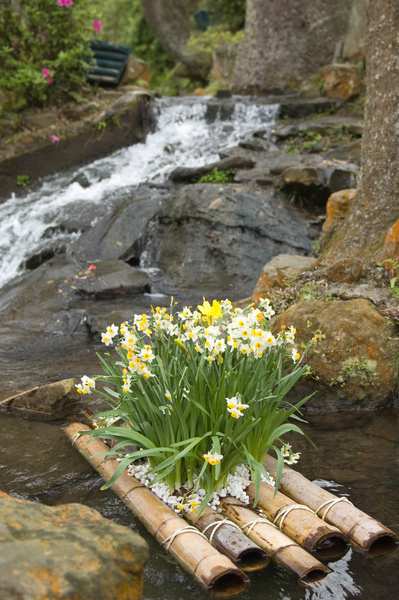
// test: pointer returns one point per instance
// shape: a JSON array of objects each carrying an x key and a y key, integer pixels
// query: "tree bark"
[
  {"x": 287, "y": 41},
  {"x": 375, "y": 207},
  {"x": 171, "y": 24}
]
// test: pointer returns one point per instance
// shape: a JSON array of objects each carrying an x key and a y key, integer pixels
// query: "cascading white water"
[{"x": 183, "y": 137}]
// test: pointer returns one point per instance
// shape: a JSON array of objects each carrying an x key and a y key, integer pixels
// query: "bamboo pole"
[
  {"x": 213, "y": 571},
  {"x": 364, "y": 531},
  {"x": 281, "y": 548},
  {"x": 300, "y": 523},
  {"x": 226, "y": 537}
]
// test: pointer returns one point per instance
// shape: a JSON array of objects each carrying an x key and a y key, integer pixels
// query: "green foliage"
[
  {"x": 23, "y": 180},
  {"x": 232, "y": 12},
  {"x": 216, "y": 176},
  {"x": 44, "y": 35},
  {"x": 203, "y": 42}
]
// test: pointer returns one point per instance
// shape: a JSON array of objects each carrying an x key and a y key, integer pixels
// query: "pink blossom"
[
  {"x": 50, "y": 81},
  {"x": 97, "y": 26},
  {"x": 55, "y": 139},
  {"x": 65, "y": 2},
  {"x": 43, "y": 38},
  {"x": 46, "y": 72}
]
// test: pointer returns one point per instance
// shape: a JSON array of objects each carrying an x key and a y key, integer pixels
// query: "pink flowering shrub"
[{"x": 44, "y": 48}]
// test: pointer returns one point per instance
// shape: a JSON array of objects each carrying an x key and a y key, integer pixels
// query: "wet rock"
[
  {"x": 337, "y": 207},
  {"x": 323, "y": 126},
  {"x": 316, "y": 181},
  {"x": 215, "y": 239},
  {"x": 347, "y": 270},
  {"x": 193, "y": 174},
  {"x": 112, "y": 278},
  {"x": 258, "y": 144},
  {"x": 350, "y": 152},
  {"x": 341, "y": 81},
  {"x": 253, "y": 176},
  {"x": 68, "y": 551},
  {"x": 297, "y": 109},
  {"x": 118, "y": 234},
  {"x": 281, "y": 271},
  {"x": 353, "y": 361},
  {"x": 45, "y": 402},
  {"x": 285, "y": 161}
]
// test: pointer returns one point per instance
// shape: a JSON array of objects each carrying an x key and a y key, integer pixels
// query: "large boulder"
[
  {"x": 353, "y": 362},
  {"x": 68, "y": 551},
  {"x": 210, "y": 238}
]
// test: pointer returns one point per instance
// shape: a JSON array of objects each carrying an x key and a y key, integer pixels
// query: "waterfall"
[{"x": 189, "y": 132}]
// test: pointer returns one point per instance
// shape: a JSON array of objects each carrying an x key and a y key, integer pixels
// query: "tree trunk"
[
  {"x": 286, "y": 41},
  {"x": 375, "y": 207},
  {"x": 171, "y": 24}
]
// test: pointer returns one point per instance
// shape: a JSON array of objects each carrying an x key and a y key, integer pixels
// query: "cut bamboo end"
[
  {"x": 366, "y": 533},
  {"x": 281, "y": 548},
  {"x": 300, "y": 523},
  {"x": 212, "y": 570},
  {"x": 228, "y": 538}
]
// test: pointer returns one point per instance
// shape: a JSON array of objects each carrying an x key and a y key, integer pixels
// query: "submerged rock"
[
  {"x": 68, "y": 551},
  {"x": 45, "y": 402}
]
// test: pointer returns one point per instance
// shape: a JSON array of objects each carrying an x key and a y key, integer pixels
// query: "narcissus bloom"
[{"x": 213, "y": 458}]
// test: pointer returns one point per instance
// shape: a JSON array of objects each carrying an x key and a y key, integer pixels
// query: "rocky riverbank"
[{"x": 214, "y": 240}]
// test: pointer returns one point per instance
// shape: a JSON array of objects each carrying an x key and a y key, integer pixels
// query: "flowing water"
[
  {"x": 189, "y": 133},
  {"x": 358, "y": 454}
]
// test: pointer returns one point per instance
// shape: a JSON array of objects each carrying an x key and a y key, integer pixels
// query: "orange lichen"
[{"x": 337, "y": 206}]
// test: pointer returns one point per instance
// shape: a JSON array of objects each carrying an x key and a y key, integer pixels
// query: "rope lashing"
[
  {"x": 74, "y": 438},
  {"x": 216, "y": 526},
  {"x": 286, "y": 511},
  {"x": 189, "y": 529},
  {"x": 329, "y": 504},
  {"x": 252, "y": 524}
]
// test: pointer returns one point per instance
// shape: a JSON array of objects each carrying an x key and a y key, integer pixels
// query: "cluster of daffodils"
[
  {"x": 199, "y": 390},
  {"x": 290, "y": 457}
]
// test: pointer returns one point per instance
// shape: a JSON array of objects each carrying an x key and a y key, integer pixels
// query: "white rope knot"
[
  {"x": 252, "y": 524},
  {"x": 74, "y": 438},
  {"x": 286, "y": 511},
  {"x": 217, "y": 525},
  {"x": 329, "y": 504},
  {"x": 189, "y": 529}
]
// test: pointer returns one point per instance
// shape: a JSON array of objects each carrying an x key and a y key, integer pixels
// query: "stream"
[{"x": 358, "y": 453}]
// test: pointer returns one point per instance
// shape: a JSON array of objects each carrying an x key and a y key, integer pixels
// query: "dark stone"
[
  {"x": 350, "y": 152},
  {"x": 258, "y": 144},
  {"x": 68, "y": 551},
  {"x": 215, "y": 240},
  {"x": 193, "y": 174},
  {"x": 112, "y": 278},
  {"x": 323, "y": 126},
  {"x": 297, "y": 109}
]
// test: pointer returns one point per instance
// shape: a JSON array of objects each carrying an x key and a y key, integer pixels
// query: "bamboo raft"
[
  {"x": 366, "y": 533},
  {"x": 216, "y": 549}
]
